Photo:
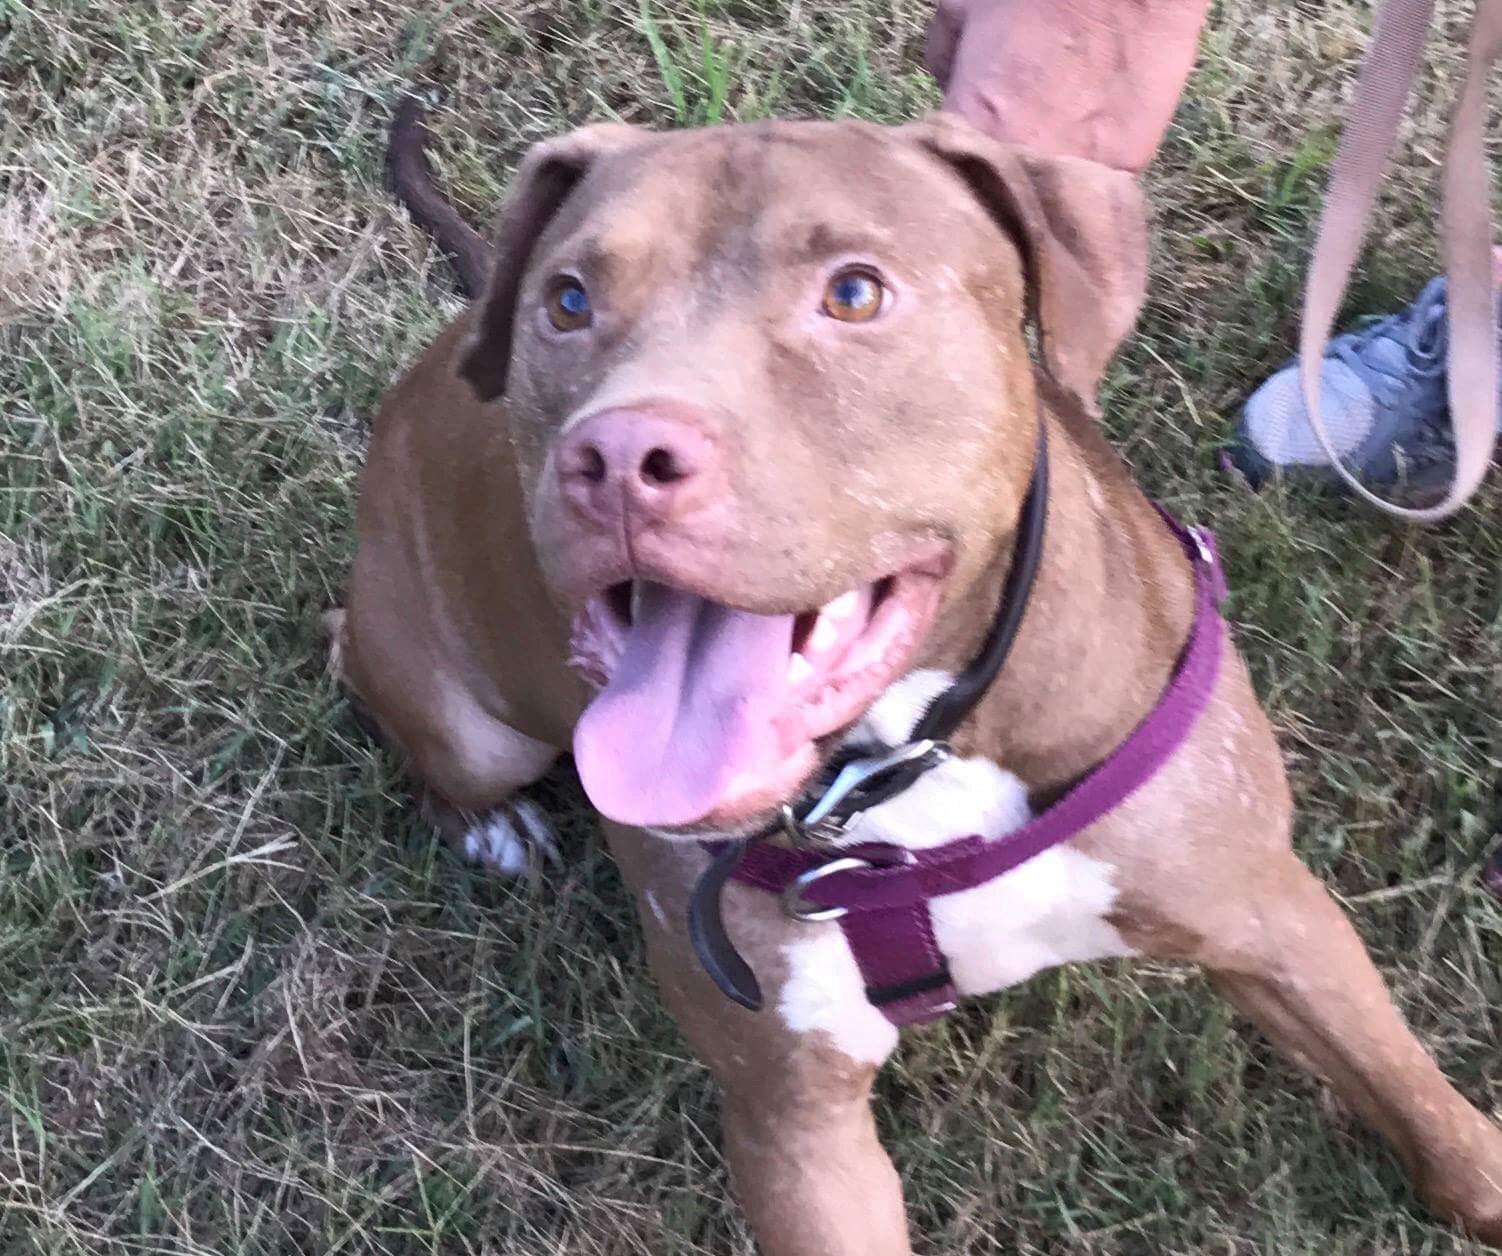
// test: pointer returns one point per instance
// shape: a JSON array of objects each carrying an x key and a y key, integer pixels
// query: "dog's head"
[{"x": 773, "y": 409}]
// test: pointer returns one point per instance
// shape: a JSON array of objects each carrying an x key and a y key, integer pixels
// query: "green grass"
[{"x": 250, "y": 1006}]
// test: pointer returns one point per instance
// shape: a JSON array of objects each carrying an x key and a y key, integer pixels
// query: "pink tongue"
[{"x": 689, "y": 709}]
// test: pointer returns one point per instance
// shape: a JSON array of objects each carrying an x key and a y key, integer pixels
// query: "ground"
[{"x": 250, "y": 1005}]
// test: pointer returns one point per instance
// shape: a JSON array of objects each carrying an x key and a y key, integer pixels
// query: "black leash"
[{"x": 871, "y": 775}]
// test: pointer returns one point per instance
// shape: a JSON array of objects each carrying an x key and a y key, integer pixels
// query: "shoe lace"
[{"x": 1422, "y": 332}]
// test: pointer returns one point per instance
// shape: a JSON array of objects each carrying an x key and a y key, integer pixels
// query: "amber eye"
[
  {"x": 568, "y": 305},
  {"x": 854, "y": 296}
]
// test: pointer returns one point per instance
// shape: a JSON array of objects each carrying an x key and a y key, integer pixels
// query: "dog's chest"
[{"x": 1051, "y": 910}]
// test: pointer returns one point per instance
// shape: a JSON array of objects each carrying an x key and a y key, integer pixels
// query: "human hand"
[{"x": 1084, "y": 78}]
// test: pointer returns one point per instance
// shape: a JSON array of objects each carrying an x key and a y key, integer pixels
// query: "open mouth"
[{"x": 708, "y": 715}]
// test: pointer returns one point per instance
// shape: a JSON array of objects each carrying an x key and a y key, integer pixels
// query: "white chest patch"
[{"x": 1049, "y": 911}]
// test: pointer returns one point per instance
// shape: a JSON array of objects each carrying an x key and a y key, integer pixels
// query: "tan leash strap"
[{"x": 1371, "y": 130}]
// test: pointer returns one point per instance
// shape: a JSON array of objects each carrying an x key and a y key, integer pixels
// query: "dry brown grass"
[{"x": 249, "y": 1006}]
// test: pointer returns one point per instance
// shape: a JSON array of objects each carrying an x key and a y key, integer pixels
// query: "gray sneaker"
[{"x": 1385, "y": 407}]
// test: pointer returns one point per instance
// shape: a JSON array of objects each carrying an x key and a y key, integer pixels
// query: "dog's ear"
[
  {"x": 544, "y": 180},
  {"x": 1082, "y": 229}
]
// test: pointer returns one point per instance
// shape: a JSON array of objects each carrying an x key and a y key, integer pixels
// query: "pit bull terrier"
[{"x": 725, "y": 473}]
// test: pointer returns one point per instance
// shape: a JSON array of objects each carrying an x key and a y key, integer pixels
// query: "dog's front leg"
[
  {"x": 803, "y": 1152},
  {"x": 799, "y": 1136},
  {"x": 1293, "y": 963}
]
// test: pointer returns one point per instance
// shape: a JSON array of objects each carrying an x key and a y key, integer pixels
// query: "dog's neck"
[{"x": 1109, "y": 613}]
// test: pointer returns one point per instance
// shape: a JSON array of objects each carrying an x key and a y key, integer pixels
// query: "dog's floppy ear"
[
  {"x": 548, "y": 173},
  {"x": 1082, "y": 228}
]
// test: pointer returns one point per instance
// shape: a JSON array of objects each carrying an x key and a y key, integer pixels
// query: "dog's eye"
[
  {"x": 568, "y": 305},
  {"x": 854, "y": 295}
]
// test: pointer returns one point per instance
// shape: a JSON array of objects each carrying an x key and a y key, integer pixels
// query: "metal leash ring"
[{"x": 793, "y": 902}]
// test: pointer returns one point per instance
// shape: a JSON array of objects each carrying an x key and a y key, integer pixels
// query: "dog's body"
[{"x": 828, "y": 456}]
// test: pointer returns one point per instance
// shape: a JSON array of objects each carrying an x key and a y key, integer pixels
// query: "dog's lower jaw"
[{"x": 888, "y": 722}]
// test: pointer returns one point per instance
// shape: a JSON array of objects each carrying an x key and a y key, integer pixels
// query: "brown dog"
[{"x": 739, "y": 436}]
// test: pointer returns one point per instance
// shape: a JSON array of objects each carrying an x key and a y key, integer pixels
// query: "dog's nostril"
[
  {"x": 661, "y": 467},
  {"x": 591, "y": 465}
]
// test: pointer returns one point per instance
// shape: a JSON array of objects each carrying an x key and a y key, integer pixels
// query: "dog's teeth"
[
  {"x": 636, "y": 596},
  {"x": 824, "y": 635},
  {"x": 799, "y": 669},
  {"x": 842, "y": 607}
]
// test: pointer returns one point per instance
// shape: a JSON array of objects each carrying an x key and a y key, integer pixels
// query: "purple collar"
[{"x": 880, "y": 894}]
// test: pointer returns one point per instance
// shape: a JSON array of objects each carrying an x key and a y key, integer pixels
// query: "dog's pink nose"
[{"x": 648, "y": 463}]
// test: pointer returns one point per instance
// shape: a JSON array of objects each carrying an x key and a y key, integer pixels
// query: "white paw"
[
  {"x": 507, "y": 838},
  {"x": 332, "y": 623}
]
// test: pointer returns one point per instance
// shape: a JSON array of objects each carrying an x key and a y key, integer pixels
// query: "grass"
[{"x": 249, "y": 1006}]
